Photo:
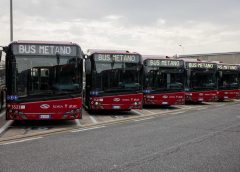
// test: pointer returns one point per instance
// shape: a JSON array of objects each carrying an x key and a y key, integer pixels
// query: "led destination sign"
[
  {"x": 128, "y": 58},
  {"x": 37, "y": 49},
  {"x": 227, "y": 67},
  {"x": 200, "y": 65},
  {"x": 164, "y": 63}
]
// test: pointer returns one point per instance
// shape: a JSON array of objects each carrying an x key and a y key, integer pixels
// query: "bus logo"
[
  {"x": 44, "y": 106},
  {"x": 116, "y": 99}
]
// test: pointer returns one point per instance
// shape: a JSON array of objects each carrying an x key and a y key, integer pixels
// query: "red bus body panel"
[
  {"x": 228, "y": 94},
  {"x": 202, "y": 96},
  {"x": 62, "y": 109},
  {"x": 177, "y": 98},
  {"x": 116, "y": 102}
]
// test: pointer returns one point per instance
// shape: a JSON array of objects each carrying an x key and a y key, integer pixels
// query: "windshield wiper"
[
  {"x": 37, "y": 93},
  {"x": 70, "y": 92},
  {"x": 121, "y": 90}
]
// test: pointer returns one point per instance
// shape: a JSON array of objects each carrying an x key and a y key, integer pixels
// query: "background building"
[{"x": 229, "y": 57}]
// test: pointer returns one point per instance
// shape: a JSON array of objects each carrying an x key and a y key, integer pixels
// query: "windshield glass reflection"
[
  {"x": 158, "y": 79},
  {"x": 115, "y": 77},
  {"x": 37, "y": 76}
]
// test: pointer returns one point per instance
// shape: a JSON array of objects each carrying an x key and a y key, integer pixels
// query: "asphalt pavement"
[{"x": 201, "y": 140}]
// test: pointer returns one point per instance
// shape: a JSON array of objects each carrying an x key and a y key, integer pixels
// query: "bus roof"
[
  {"x": 43, "y": 42},
  {"x": 230, "y": 64},
  {"x": 196, "y": 60},
  {"x": 94, "y": 51},
  {"x": 146, "y": 57}
]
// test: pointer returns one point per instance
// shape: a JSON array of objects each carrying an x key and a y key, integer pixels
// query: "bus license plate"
[
  {"x": 200, "y": 99},
  {"x": 164, "y": 103},
  {"x": 45, "y": 116},
  {"x": 116, "y": 107},
  {"x": 225, "y": 97}
]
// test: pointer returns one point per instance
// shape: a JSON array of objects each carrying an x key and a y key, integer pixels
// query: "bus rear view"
[
  {"x": 201, "y": 81},
  {"x": 44, "y": 81},
  {"x": 228, "y": 81},
  {"x": 113, "y": 80},
  {"x": 163, "y": 81}
]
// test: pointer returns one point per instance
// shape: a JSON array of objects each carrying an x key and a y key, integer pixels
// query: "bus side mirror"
[{"x": 88, "y": 66}]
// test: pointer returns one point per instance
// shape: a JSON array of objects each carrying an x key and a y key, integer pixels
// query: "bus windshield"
[
  {"x": 116, "y": 77},
  {"x": 45, "y": 75},
  {"x": 228, "y": 80},
  {"x": 203, "y": 80},
  {"x": 162, "y": 79}
]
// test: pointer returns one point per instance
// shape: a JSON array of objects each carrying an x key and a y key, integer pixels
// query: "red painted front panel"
[
  {"x": 202, "y": 96},
  {"x": 228, "y": 94},
  {"x": 117, "y": 102},
  {"x": 42, "y": 110},
  {"x": 165, "y": 98}
]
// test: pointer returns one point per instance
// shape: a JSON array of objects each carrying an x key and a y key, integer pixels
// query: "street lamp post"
[
  {"x": 11, "y": 22},
  {"x": 181, "y": 47}
]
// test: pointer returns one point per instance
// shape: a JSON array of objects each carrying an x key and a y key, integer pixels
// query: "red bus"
[
  {"x": 228, "y": 81},
  {"x": 43, "y": 80},
  {"x": 163, "y": 81},
  {"x": 201, "y": 80},
  {"x": 113, "y": 80}
]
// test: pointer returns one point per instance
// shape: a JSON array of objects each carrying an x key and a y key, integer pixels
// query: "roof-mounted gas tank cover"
[{"x": 94, "y": 51}]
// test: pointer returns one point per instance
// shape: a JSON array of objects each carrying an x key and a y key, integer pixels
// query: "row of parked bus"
[{"x": 44, "y": 80}]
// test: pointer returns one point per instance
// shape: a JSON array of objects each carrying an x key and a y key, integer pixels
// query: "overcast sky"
[{"x": 144, "y": 26}]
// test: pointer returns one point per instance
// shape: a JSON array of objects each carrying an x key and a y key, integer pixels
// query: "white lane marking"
[
  {"x": 187, "y": 107},
  {"x": 78, "y": 122},
  {"x": 5, "y": 126},
  {"x": 143, "y": 119},
  {"x": 149, "y": 111},
  {"x": 139, "y": 113},
  {"x": 220, "y": 105},
  {"x": 3, "y": 113},
  {"x": 86, "y": 129},
  {"x": 24, "y": 140},
  {"x": 201, "y": 108},
  {"x": 93, "y": 119},
  {"x": 174, "y": 113}
]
